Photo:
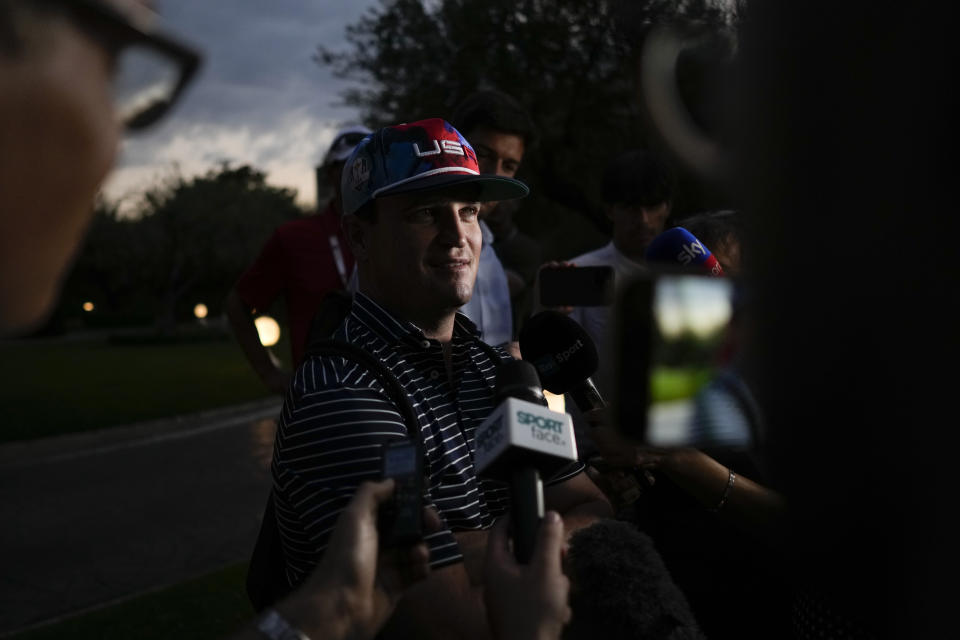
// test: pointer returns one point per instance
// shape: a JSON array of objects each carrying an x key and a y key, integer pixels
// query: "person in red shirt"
[{"x": 303, "y": 261}]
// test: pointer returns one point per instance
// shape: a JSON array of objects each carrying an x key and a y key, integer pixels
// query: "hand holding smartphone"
[{"x": 401, "y": 517}]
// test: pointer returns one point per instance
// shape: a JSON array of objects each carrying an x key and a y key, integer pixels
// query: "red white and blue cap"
[{"x": 420, "y": 156}]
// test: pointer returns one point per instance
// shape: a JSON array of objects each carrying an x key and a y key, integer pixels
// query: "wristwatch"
[{"x": 275, "y": 627}]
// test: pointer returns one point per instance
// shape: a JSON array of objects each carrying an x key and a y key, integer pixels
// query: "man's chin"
[{"x": 459, "y": 295}]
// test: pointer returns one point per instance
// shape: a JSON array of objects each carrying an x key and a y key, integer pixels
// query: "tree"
[
  {"x": 571, "y": 63},
  {"x": 191, "y": 237}
]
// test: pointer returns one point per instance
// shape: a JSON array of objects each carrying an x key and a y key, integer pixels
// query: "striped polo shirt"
[{"x": 337, "y": 415}]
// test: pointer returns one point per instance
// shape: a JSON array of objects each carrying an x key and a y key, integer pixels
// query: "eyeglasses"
[{"x": 151, "y": 69}]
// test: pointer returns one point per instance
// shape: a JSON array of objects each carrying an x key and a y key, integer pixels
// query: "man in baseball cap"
[
  {"x": 411, "y": 199},
  {"x": 303, "y": 261}
]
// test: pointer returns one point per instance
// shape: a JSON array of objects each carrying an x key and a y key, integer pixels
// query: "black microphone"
[
  {"x": 520, "y": 441},
  {"x": 564, "y": 355}
]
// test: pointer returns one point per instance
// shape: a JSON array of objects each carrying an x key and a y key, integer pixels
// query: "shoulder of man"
[{"x": 324, "y": 369}]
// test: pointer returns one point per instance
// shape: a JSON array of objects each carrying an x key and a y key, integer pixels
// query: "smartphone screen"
[
  {"x": 576, "y": 286},
  {"x": 401, "y": 517},
  {"x": 674, "y": 335}
]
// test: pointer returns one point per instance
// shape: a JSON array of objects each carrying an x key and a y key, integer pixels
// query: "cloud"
[
  {"x": 288, "y": 152},
  {"x": 259, "y": 98}
]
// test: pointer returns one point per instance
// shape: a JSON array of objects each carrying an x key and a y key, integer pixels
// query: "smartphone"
[
  {"x": 576, "y": 286},
  {"x": 401, "y": 517},
  {"x": 673, "y": 334}
]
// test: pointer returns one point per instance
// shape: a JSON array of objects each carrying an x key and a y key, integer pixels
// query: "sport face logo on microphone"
[{"x": 543, "y": 428}]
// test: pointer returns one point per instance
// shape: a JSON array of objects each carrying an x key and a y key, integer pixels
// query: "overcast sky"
[{"x": 258, "y": 99}]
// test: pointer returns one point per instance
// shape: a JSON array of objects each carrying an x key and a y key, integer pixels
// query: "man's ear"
[
  {"x": 356, "y": 232},
  {"x": 608, "y": 210}
]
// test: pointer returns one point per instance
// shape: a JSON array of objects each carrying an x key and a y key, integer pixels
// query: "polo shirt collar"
[{"x": 394, "y": 330}]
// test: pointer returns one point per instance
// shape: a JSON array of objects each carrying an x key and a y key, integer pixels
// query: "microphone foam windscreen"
[
  {"x": 560, "y": 349},
  {"x": 518, "y": 379}
]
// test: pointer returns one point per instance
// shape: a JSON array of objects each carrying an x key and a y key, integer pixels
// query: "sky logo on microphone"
[{"x": 690, "y": 252}]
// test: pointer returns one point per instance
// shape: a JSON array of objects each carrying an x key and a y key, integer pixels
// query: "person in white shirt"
[{"x": 637, "y": 191}]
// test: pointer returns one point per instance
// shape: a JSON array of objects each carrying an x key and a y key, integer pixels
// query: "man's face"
[
  {"x": 419, "y": 257},
  {"x": 498, "y": 153},
  {"x": 635, "y": 226},
  {"x": 58, "y": 140}
]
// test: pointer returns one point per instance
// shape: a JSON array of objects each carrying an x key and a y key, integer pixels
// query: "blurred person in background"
[
  {"x": 500, "y": 131},
  {"x": 303, "y": 261},
  {"x": 62, "y": 115},
  {"x": 637, "y": 191}
]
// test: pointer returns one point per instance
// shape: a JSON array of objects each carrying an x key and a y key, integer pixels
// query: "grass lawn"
[
  {"x": 212, "y": 606},
  {"x": 57, "y": 387},
  {"x": 677, "y": 384}
]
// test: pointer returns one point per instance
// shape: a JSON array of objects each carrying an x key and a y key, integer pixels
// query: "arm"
[
  {"x": 355, "y": 588},
  {"x": 578, "y": 500},
  {"x": 751, "y": 506},
  {"x": 527, "y": 602},
  {"x": 446, "y": 605},
  {"x": 262, "y": 361}
]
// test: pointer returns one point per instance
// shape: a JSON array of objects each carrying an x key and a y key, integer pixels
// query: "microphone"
[
  {"x": 678, "y": 246},
  {"x": 519, "y": 441},
  {"x": 564, "y": 355}
]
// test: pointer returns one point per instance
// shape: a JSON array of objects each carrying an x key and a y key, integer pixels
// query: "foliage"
[
  {"x": 571, "y": 63},
  {"x": 189, "y": 242}
]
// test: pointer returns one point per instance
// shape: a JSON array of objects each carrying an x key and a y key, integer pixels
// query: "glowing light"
[
  {"x": 88, "y": 306},
  {"x": 268, "y": 329},
  {"x": 555, "y": 402},
  {"x": 200, "y": 311}
]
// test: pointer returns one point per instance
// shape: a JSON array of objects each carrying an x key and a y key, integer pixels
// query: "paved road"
[{"x": 88, "y": 519}]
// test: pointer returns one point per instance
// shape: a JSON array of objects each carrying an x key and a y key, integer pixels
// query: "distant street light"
[
  {"x": 88, "y": 306},
  {"x": 268, "y": 329},
  {"x": 200, "y": 311}
]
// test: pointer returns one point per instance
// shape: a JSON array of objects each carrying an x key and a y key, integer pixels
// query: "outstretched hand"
[
  {"x": 617, "y": 450},
  {"x": 527, "y": 601},
  {"x": 357, "y": 584}
]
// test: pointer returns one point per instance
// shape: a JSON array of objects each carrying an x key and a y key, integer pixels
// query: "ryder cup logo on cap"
[{"x": 420, "y": 156}]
